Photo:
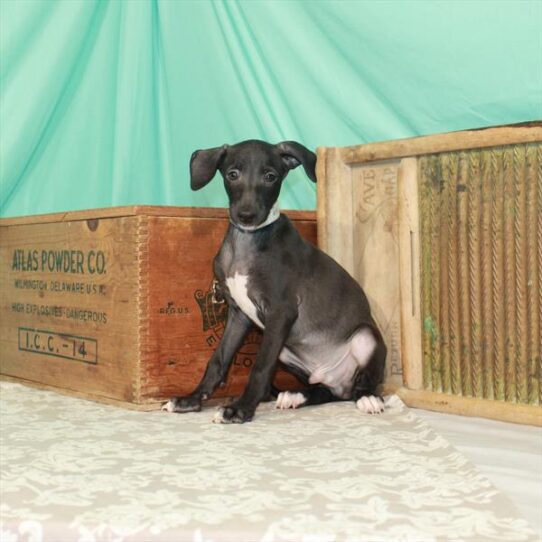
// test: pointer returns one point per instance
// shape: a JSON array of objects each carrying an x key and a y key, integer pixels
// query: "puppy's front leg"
[
  {"x": 277, "y": 329},
  {"x": 236, "y": 329}
]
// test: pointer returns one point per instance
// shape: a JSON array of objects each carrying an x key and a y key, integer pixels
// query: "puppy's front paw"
[
  {"x": 231, "y": 414},
  {"x": 183, "y": 404},
  {"x": 370, "y": 404}
]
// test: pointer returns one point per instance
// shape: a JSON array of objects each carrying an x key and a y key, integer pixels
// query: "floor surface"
[
  {"x": 508, "y": 454},
  {"x": 77, "y": 471}
]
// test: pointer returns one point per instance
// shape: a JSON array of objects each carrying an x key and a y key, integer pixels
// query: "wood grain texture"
[
  {"x": 184, "y": 326},
  {"x": 409, "y": 273},
  {"x": 143, "y": 301},
  {"x": 480, "y": 285},
  {"x": 472, "y": 406},
  {"x": 148, "y": 329},
  {"x": 69, "y": 314},
  {"x": 336, "y": 204},
  {"x": 376, "y": 240},
  {"x": 135, "y": 210},
  {"x": 322, "y": 200},
  {"x": 439, "y": 143},
  {"x": 358, "y": 208}
]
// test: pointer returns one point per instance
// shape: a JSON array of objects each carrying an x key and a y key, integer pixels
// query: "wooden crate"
[
  {"x": 445, "y": 234},
  {"x": 116, "y": 304}
]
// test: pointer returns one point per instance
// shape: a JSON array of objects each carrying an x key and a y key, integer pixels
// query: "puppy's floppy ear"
[
  {"x": 293, "y": 154},
  {"x": 203, "y": 165}
]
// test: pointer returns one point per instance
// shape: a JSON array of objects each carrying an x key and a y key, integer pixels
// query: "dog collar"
[{"x": 273, "y": 216}]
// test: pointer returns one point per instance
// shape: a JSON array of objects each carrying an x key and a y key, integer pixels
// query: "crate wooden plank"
[
  {"x": 117, "y": 212},
  {"x": 183, "y": 324},
  {"x": 115, "y": 304},
  {"x": 69, "y": 310}
]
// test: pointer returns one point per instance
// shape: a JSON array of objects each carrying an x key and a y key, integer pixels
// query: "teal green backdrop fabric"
[{"x": 102, "y": 102}]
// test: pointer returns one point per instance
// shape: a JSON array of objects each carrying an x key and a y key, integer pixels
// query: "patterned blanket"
[{"x": 73, "y": 470}]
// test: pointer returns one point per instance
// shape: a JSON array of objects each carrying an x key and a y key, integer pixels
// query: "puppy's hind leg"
[
  {"x": 313, "y": 395},
  {"x": 370, "y": 352}
]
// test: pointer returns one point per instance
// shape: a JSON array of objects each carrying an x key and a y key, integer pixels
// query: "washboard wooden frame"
[{"x": 444, "y": 232}]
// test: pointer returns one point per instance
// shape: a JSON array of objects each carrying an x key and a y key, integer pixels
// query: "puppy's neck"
[{"x": 273, "y": 216}]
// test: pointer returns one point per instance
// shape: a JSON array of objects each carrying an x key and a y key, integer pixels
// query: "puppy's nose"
[{"x": 246, "y": 217}]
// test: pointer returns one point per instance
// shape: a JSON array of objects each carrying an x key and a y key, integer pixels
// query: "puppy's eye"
[
  {"x": 232, "y": 175},
  {"x": 270, "y": 177}
]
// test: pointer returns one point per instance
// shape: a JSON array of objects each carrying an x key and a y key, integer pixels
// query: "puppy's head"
[{"x": 253, "y": 172}]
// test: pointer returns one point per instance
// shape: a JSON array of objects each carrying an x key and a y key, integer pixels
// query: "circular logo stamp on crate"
[{"x": 214, "y": 313}]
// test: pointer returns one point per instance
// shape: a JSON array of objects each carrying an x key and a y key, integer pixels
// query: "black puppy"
[{"x": 315, "y": 318}]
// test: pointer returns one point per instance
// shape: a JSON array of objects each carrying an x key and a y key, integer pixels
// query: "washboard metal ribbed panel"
[{"x": 481, "y": 261}]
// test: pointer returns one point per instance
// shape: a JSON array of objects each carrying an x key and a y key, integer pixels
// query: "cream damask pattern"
[{"x": 76, "y": 471}]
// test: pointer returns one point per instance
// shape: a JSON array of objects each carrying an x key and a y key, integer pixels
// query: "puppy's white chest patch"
[{"x": 237, "y": 285}]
